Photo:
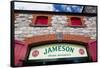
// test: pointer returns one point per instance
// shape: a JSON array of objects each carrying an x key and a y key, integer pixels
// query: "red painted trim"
[
  {"x": 92, "y": 48},
  {"x": 19, "y": 52}
]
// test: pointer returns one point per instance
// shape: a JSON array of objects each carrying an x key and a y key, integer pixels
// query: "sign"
[{"x": 51, "y": 51}]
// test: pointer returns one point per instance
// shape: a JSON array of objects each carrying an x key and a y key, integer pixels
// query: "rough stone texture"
[
  {"x": 90, "y": 9},
  {"x": 24, "y": 30}
]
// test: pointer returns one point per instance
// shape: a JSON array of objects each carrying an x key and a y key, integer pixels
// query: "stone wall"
[{"x": 24, "y": 30}]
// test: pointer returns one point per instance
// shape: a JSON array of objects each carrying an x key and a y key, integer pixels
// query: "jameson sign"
[
  {"x": 63, "y": 50},
  {"x": 58, "y": 49}
]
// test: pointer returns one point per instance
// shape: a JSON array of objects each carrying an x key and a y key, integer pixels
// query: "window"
[
  {"x": 75, "y": 21},
  {"x": 41, "y": 20}
]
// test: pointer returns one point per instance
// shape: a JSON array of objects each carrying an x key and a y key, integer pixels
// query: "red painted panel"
[
  {"x": 92, "y": 48},
  {"x": 75, "y": 21},
  {"x": 20, "y": 52},
  {"x": 41, "y": 20}
]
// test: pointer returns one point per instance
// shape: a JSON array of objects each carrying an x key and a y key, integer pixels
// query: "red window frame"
[
  {"x": 41, "y": 20},
  {"x": 75, "y": 21}
]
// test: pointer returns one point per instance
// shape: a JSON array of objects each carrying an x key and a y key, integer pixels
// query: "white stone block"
[{"x": 18, "y": 32}]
